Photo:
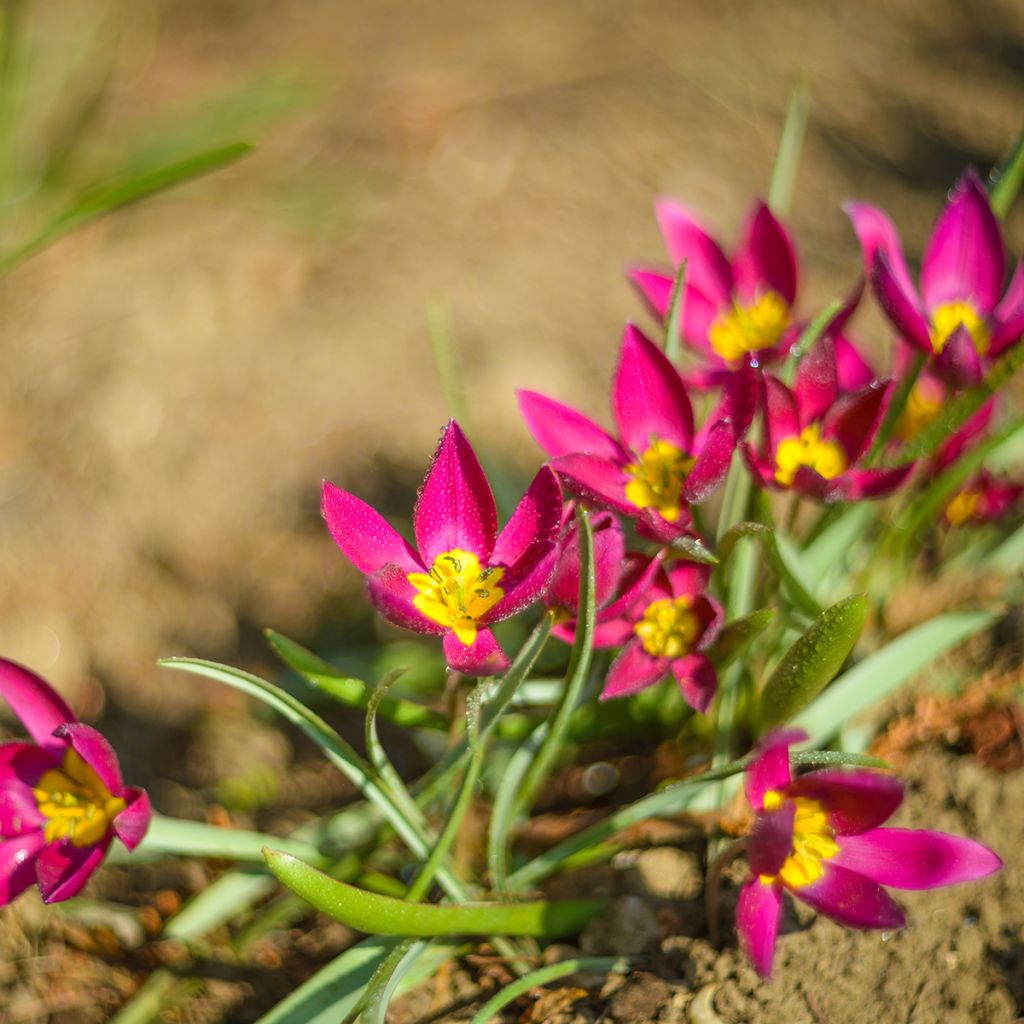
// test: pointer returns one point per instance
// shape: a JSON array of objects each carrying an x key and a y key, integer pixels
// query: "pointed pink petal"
[
  {"x": 959, "y": 364},
  {"x": 392, "y": 594},
  {"x": 484, "y": 658},
  {"x": 609, "y": 552},
  {"x": 781, "y": 413},
  {"x": 537, "y": 518},
  {"x": 851, "y": 899},
  {"x": 526, "y": 582},
  {"x": 38, "y": 705},
  {"x": 649, "y": 397},
  {"x": 560, "y": 430},
  {"x": 62, "y": 869},
  {"x": 771, "y": 839},
  {"x": 17, "y": 865},
  {"x": 963, "y": 439},
  {"x": 131, "y": 824},
  {"x": 688, "y": 579},
  {"x": 712, "y": 464},
  {"x": 765, "y": 257},
  {"x": 96, "y": 752},
  {"x": 856, "y": 801},
  {"x": 758, "y": 914},
  {"x": 817, "y": 381},
  {"x": 965, "y": 258},
  {"x": 652, "y": 525},
  {"x": 916, "y": 858},
  {"x": 853, "y": 370},
  {"x": 699, "y": 313},
  {"x": 761, "y": 470},
  {"x": 22, "y": 765},
  {"x": 599, "y": 480},
  {"x": 878, "y": 234},
  {"x": 900, "y": 305},
  {"x": 706, "y": 265},
  {"x": 455, "y": 507},
  {"x": 632, "y": 671},
  {"x": 866, "y": 484},
  {"x": 711, "y": 615},
  {"x": 365, "y": 537},
  {"x": 739, "y": 402},
  {"x": 769, "y": 769},
  {"x": 613, "y": 633},
  {"x": 854, "y": 420},
  {"x": 697, "y": 679},
  {"x": 643, "y": 581},
  {"x": 1008, "y": 317},
  {"x": 654, "y": 287}
]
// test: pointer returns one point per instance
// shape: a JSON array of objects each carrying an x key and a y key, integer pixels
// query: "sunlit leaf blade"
[
  {"x": 813, "y": 661},
  {"x": 1008, "y": 558},
  {"x": 383, "y": 915},
  {"x": 1007, "y": 180},
  {"x": 199, "y": 839},
  {"x": 674, "y": 323},
  {"x": 737, "y": 635},
  {"x": 880, "y": 674},
  {"x": 693, "y": 550},
  {"x": 829, "y": 547},
  {"x": 787, "y": 160}
]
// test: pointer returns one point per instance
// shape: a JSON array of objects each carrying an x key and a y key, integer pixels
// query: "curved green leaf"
[
  {"x": 383, "y": 915},
  {"x": 812, "y": 662},
  {"x": 737, "y": 635}
]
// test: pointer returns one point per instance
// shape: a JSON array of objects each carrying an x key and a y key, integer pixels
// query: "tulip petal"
[
  {"x": 771, "y": 839},
  {"x": 392, "y": 594},
  {"x": 365, "y": 537},
  {"x": 609, "y": 552},
  {"x": 900, "y": 305},
  {"x": 851, "y": 899},
  {"x": 632, "y": 671},
  {"x": 877, "y": 234},
  {"x": 856, "y": 801},
  {"x": 483, "y": 658},
  {"x": 739, "y": 401},
  {"x": 62, "y": 869},
  {"x": 599, "y": 480},
  {"x": 697, "y": 679},
  {"x": 712, "y": 463},
  {"x": 527, "y": 582},
  {"x": 1009, "y": 314},
  {"x": 770, "y": 768},
  {"x": 865, "y": 484},
  {"x": 854, "y": 420},
  {"x": 758, "y": 914},
  {"x": 648, "y": 396},
  {"x": 707, "y": 267},
  {"x": 455, "y": 508},
  {"x": 916, "y": 858},
  {"x": 537, "y": 518},
  {"x": 965, "y": 258},
  {"x": 22, "y": 765},
  {"x": 654, "y": 287},
  {"x": 131, "y": 824},
  {"x": 853, "y": 371},
  {"x": 781, "y": 413},
  {"x": 38, "y": 705},
  {"x": 765, "y": 257},
  {"x": 96, "y": 752},
  {"x": 17, "y": 865},
  {"x": 560, "y": 430},
  {"x": 959, "y": 364},
  {"x": 817, "y": 381}
]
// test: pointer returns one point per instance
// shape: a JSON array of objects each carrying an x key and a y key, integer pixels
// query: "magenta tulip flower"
[
  {"x": 985, "y": 498},
  {"x": 62, "y": 799},
  {"x": 736, "y": 312},
  {"x": 657, "y": 467},
  {"x": 961, "y": 316},
  {"x": 819, "y": 837},
  {"x": 814, "y": 437},
  {"x": 664, "y": 622},
  {"x": 609, "y": 551},
  {"x": 464, "y": 576}
]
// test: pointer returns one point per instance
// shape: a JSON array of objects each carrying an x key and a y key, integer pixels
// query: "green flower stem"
[
  {"x": 787, "y": 159},
  {"x": 894, "y": 411}
]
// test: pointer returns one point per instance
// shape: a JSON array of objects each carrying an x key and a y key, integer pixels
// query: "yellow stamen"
[
  {"x": 951, "y": 315},
  {"x": 457, "y": 593},
  {"x": 669, "y": 628},
  {"x": 924, "y": 403},
  {"x": 963, "y": 507},
  {"x": 813, "y": 842},
  {"x": 826, "y": 458},
  {"x": 75, "y": 803},
  {"x": 745, "y": 329},
  {"x": 658, "y": 479}
]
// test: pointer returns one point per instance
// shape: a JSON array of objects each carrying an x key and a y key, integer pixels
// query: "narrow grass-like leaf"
[
  {"x": 881, "y": 674},
  {"x": 544, "y": 976},
  {"x": 1008, "y": 558},
  {"x": 828, "y": 548},
  {"x": 347, "y": 690},
  {"x": 393, "y": 971},
  {"x": 382, "y": 915},
  {"x": 813, "y": 661},
  {"x": 787, "y": 159},
  {"x": 737, "y": 635},
  {"x": 441, "y": 333},
  {"x": 894, "y": 410},
  {"x": 199, "y": 839},
  {"x": 674, "y": 323},
  {"x": 809, "y": 337},
  {"x": 735, "y": 498},
  {"x": 693, "y": 550},
  {"x": 1007, "y": 180}
]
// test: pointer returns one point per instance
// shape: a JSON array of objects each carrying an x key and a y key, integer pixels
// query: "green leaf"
[
  {"x": 1007, "y": 180},
  {"x": 894, "y": 409},
  {"x": 1008, "y": 558},
  {"x": 674, "y": 323},
  {"x": 812, "y": 662},
  {"x": 829, "y": 547},
  {"x": 382, "y": 915},
  {"x": 737, "y": 635},
  {"x": 118, "y": 194},
  {"x": 199, "y": 839},
  {"x": 809, "y": 337},
  {"x": 880, "y": 674},
  {"x": 347, "y": 690},
  {"x": 787, "y": 160},
  {"x": 386, "y": 980},
  {"x": 693, "y": 550}
]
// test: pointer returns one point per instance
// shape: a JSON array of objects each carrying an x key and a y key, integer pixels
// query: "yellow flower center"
[
  {"x": 75, "y": 803},
  {"x": 657, "y": 479},
  {"x": 924, "y": 403},
  {"x": 457, "y": 593},
  {"x": 813, "y": 842},
  {"x": 963, "y": 507},
  {"x": 669, "y": 628},
  {"x": 826, "y": 458},
  {"x": 951, "y": 315},
  {"x": 750, "y": 328}
]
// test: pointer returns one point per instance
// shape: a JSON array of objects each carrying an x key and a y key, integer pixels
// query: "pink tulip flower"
[
  {"x": 62, "y": 799},
  {"x": 464, "y": 575},
  {"x": 609, "y": 551},
  {"x": 818, "y": 836},
  {"x": 984, "y": 498}
]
